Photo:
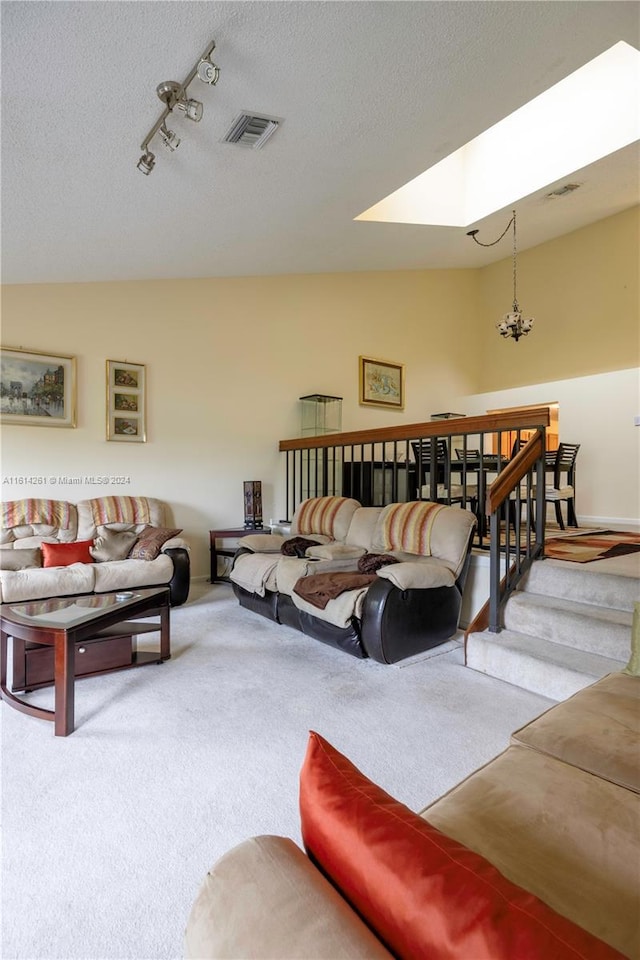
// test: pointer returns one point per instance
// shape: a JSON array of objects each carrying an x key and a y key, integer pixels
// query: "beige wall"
[
  {"x": 227, "y": 360},
  {"x": 582, "y": 290},
  {"x": 598, "y": 413}
]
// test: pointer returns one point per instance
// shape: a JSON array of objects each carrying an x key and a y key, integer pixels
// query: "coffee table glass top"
[{"x": 72, "y": 611}]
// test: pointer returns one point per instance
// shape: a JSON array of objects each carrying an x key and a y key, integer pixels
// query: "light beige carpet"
[{"x": 108, "y": 833}]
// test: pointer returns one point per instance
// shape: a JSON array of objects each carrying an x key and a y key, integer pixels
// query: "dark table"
[
  {"x": 77, "y": 626},
  {"x": 228, "y": 533}
]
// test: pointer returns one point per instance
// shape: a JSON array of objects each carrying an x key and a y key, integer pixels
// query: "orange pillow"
[
  {"x": 424, "y": 894},
  {"x": 62, "y": 554}
]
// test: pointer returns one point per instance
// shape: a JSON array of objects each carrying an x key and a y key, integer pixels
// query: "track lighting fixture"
[
  {"x": 174, "y": 96},
  {"x": 513, "y": 324}
]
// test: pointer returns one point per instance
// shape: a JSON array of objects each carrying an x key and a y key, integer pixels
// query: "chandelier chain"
[
  {"x": 472, "y": 234},
  {"x": 516, "y": 308}
]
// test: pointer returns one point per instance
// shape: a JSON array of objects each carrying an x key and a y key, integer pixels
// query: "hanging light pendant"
[{"x": 513, "y": 324}]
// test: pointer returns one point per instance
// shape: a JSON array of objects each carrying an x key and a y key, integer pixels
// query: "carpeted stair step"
[
  {"x": 551, "y": 669},
  {"x": 583, "y": 626},
  {"x": 555, "y": 578}
]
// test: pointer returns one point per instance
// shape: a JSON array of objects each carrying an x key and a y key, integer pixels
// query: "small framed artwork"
[
  {"x": 37, "y": 389},
  {"x": 381, "y": 383},
  {"x": 126, "y": 393}
]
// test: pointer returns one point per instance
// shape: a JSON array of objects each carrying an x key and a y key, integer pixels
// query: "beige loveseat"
[
  {"x": 399, "y": 609},
  {"x": 112, "y": 526},
  {"x": 542, "y": 842}
]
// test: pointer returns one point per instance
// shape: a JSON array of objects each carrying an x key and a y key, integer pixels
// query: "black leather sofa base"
[{"x": 396, "y": 624}]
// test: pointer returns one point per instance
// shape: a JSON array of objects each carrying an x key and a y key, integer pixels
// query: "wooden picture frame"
[
  {"x": 37, "y": 389},
  {"x": 381, "y": 383},
  {"x": 126, "y": 401}
]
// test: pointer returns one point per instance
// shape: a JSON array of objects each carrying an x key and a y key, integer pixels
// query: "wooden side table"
[{"x": 230, "y": 533}]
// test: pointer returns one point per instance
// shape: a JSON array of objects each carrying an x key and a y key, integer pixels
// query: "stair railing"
[
  {"x": 519, "y": 543},
  {"x": 378, "y": 467}
]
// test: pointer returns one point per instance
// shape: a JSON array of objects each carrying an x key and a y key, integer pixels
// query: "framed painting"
[
  {"x": 126, "y": 401},
  {"x": 37, "y": 389},
  {"x": 381, "y": 383}
]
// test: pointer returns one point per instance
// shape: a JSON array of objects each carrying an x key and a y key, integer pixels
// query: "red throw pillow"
[
  {"x": 424, "y": 894},
  {"x": 62, "y": 554}
]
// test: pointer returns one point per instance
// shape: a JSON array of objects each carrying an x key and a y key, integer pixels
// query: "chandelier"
[{"x": 513, "y": 324}]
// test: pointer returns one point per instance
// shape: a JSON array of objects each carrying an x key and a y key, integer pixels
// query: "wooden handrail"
[
  {"x": 487, "y": 423},
  {"x": 514, "y": 471}
]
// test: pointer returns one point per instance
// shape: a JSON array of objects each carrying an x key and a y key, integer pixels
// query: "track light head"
[
  {"x": 192, "y": 109},
  {"x": 146, "y": 163},
  {"x": 170, "y": 139},
  {"x": 208, "y": 71}
]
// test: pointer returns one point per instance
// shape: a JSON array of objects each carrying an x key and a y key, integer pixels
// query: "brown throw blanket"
[
  {"x": 297, "y": 546},
  {"x": 319, "y": 588}
]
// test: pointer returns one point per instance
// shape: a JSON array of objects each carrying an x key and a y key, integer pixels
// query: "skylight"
[{"x": 587, "y": 116}]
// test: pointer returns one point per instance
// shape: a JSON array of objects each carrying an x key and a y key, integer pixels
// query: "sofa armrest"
[
  {"x": 418, "y": 574},
  {"x": 174, "y": 543},
  {"x": 264, "y": 898},
  {"x": 181, "y": 579},
  {"x": 262, "y": 542}
]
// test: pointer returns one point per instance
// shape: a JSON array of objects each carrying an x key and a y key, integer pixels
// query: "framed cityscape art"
[
  {"x": 126, "y": 401},
  {"x": 381, "y": 383},
  {"x": 37, "y": 389}
]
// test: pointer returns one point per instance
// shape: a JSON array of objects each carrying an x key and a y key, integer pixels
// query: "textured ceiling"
[{"x": 371, "y": 94}]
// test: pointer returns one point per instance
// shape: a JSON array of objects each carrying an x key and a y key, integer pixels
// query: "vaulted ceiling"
[{"x": 370, "y": 94}]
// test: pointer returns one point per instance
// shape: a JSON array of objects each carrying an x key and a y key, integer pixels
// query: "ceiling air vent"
[
  {"x": 251, "y": 130},
  {"x": 562, "y": 191}
]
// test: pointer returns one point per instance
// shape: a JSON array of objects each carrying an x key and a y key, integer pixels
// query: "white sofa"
[{"x": 25, "y": 525}]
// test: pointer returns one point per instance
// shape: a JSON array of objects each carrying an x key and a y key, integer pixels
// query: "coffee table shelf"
[{"x": 113, "y": 648}]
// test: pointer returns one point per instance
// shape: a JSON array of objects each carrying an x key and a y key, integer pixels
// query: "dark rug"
[{"x": 584, "y": 548}]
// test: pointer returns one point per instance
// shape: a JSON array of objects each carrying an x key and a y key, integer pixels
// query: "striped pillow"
[
  {"x": 318, "y": 515},
  {"x": 119, "y": 510},
  {"x": 407, "y": 526}
]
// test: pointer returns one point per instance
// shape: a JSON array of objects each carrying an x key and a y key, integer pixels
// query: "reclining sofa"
[
  {"x": 535, "y": 855},
  {"x": 411, "y": 603},
  {"x": 124, "y": 543}
]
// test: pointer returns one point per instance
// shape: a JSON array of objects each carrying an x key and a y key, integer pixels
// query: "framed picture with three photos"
[{"x": 126, "y": 401}]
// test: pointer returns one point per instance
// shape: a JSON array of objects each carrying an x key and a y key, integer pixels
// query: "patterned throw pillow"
[
  {"x": 113, "y": 545},
  {"x": 150, "y": 542}
]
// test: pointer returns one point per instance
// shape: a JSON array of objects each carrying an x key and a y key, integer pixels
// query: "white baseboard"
[{"x": 611, "y": 523}]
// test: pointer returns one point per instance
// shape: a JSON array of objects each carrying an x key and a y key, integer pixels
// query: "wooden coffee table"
[{"x": 87, "y": 636}]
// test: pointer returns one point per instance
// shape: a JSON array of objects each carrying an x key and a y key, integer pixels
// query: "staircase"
[{"x": 564, "y": 628}]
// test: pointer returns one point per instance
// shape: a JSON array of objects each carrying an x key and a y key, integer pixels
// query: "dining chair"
[
  {"x": 445, "y": 490},
  {"x": 561, "y": 461}
]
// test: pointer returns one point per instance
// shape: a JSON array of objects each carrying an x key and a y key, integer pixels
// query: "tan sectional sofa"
[
  {"x": 408, "y": 606},
  {"x": 28, "y": 524},
  {"x": 552, "y": 825}
]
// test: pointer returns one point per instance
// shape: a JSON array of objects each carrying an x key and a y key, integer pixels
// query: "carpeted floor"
[{"x": 108, "y": 833}]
